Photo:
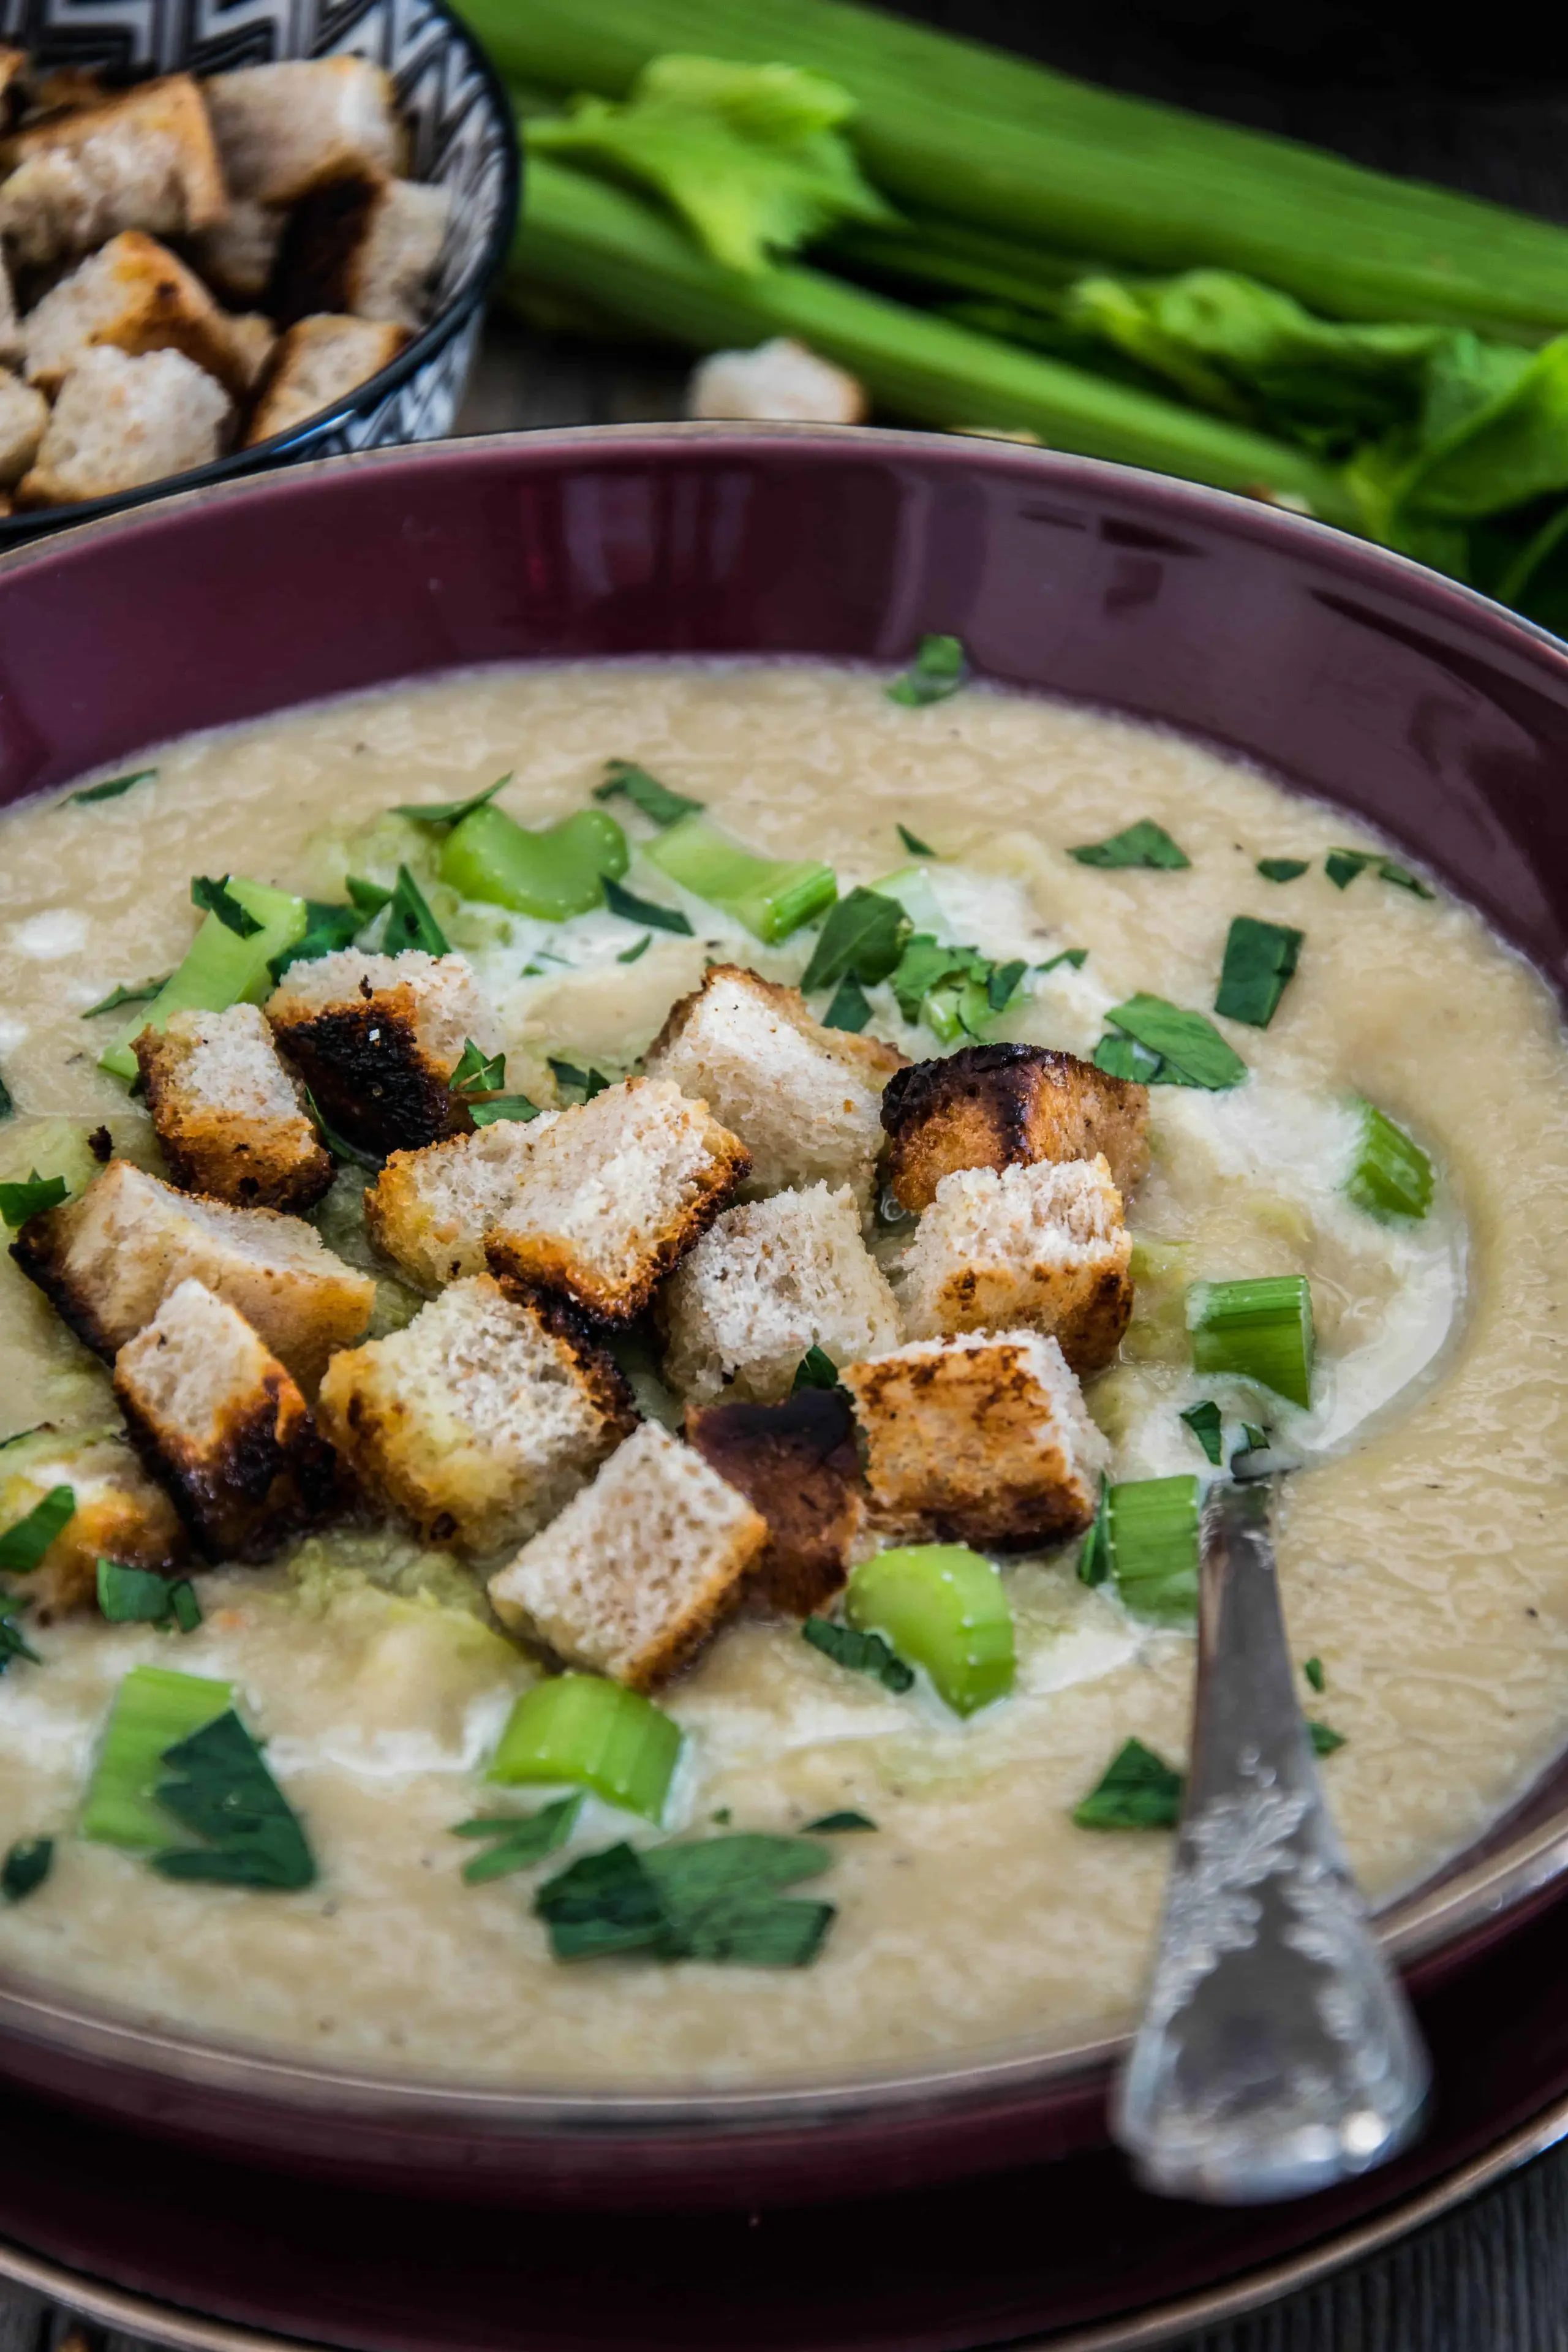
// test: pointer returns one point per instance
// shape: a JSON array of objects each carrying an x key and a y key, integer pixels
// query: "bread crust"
[
  {"x": 1002, "y": 1106},
  {"x": 251, "y": 1161},
  {"x": 797, "y": 1464},
  {"x": 367, "y": 1070}
]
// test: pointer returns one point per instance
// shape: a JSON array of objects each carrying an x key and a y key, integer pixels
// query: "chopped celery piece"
[
  {"x": 1151, "y": 1538},
  {"x": 911, "y": 886},
  {"x": 1260, "y": 1330},
  {"x": 770, "y": 896},
  {"x": 945, "y": 1608},
  {"x": 1392, "y": 1176},
  {"x": 552, "y": 874},
  {"x": 154, "y": 1709},
  {"x": 581, "y": 1728},
  {"x": 219, "y": 968}
]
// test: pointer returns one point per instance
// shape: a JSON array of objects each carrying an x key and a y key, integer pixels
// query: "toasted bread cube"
[
  {"x": 1004, "y": 1106},
  {"x": 640, "y": 1568},
  {"x": 378, "y": 1038},
  {"x": 797, "y": 1464},
  {"x": 11, "y": 344},
  {"x": 318, "y": 362},
  {"x": 613, "y": 1193},
  {"x": 136, "y": 296},
  {"x": 230, "y": 1117},
  {"x": 221, "y": 1424},
  {"x": 108, "y": 1260},
  {"x": 121, "y": 422},
  {"x": 430, "y": 1210},
  {"x": 772, "y": 1279},
  {"x": 804, "y": 1100},
  {"x": 285, "y": 128},
  {"x": 252, "y": 339},
  {"x": 978, "y": 1440},
  {"x": 481, "y": 1418},
  {"x": 23, "y": 419},
  {"x": 144, "y": 159},
  {"x": 237, "y": 255},
  {"x": 365, "y": 246},
  {"x": 120, "y": 1513},
  {"x": 782, "y": 379},
  {"x": 1041, "y": 1248},
  {"x": 13, "y": 78}
]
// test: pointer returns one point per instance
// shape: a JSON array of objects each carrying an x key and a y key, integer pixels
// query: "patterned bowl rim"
[{"x": 283, "y": 448}]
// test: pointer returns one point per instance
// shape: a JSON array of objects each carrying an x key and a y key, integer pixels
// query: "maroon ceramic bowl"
[{"x": 1351, "y": 674}]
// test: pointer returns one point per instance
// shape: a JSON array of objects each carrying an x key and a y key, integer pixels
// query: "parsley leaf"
[
  {"x": 216, "y": 897},
  {"x": 486, "y": 1112},
  {"x": 641, "y": 947},
  {"x": 370, "y": 898},
  {"x": 1324, "y": 1738},
  {"x": 1204, "y": 1422},
  {"x": 861, "y": 940},
  {"x": 1076, "y": 956},
  {"x": 863, "y": 1653},
  {"x": 633, "y": 909},
  {"x": 940, "y": 667},
  {"x": 111, "y": 789},
  {"x": 409, "y": 921},
  {"x": 142, "y": 993},
  {"x": 851, "y": 1008},
  {"x": 1282, "y": 869},
  {"x": 1260, "y": 958},
  {"x": 475, "y": 1074},
  {"x": 226, "y": 1796},
  {"x": 713, "y": 1899},
  {"x": 327, "y": 929},
  {"x": 339, "y": 1145},
  {"x": 1192, "y": 1051},
  {"x": 815, "y": 1369},
  {"x": 830, "y": 1825},
  {"x": 24, "y": 1543},
  {"x": 914, "y": 845},
  {"x": 137, "y": 1596},
  {"x": 26, "y": 1867},
  {"x": 1144, "y": 843},
  {"x": 1139, "y": 1791},
  {"x": 517, "y": 1839},
  {"x": 451, "y": 812},
  {"x": 19, "y": 1202},
  {"x": 601, "y": 1903},
  {"x": 588, "y": 1083},
  {"x": 1317, "y": 1679},
  {"x": 1342, "y": 866},
  {"x": 1001, "y": 982},
  {"x": 1124, "y": 1057},
  {"x": 6, "y": 1105},
  {"x": 645, "y": 792},
  {"x": 14, "y": 1643}
]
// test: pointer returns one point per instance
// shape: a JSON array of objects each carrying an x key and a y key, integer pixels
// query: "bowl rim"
[
  {"x": 1459, "y": 1905},
  {"x": 30, "y": 523}
]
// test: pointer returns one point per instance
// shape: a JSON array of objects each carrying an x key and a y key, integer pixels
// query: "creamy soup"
[{"x": 1421, "y": 1539}]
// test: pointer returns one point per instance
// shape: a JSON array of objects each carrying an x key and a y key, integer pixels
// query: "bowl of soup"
[{"x": 674, "y": 1096}]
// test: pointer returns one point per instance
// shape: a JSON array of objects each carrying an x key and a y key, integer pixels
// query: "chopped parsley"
[
  {"x": 137, "y": 1596},
  {"x": 477, "y": 1073},
  {"x": 832, "y": 1824},
  {"x": 451, "y": 812},
  {"x": 14, "y": 1643},
  {"x": 6, "y": 1105},
  {"x": 1075, "y": 958},
  {"x": 409, "y": 921},
  {"x": 638, "y": 947},
  {"x": 713, "y": 1899},
  {"x": 21, "y": 1200},
  {"x": 851, "y": 1008},
  {"x": 26, "y": 1867},
  {"x": 815, "y": 1369},
  {"x": 1124, "y": 1057},
  {"x": 499, "y": 1107},
  {"x": 861, "y": 940},
  {"x": 956, "y": 991},
  {"x": 339, "y": 1145},
  {"x": 1342, "y": 866},
  {"x": 142, "y": 991},
  {"x": 327, "y": 929},
  {"x": 1189, "y": 1049},
  {"x": 914, "y": 845},
  {"x": 588, "y": 1082},
  {"x": 370, "y": 898},
  {"x": 1138, "y": 1790},
  {"x": 1324, "y": 1738},
  {"x": 215, "y": 898},
  {"x": 656, "y": 800},
  {"x": 1204, "y": 1422},
  {"x": 1316, "y": 1678},
  {"x": 226, "y": 1796},
  {"x": 24, "y": 1544},
  {"x": 1282, "y": 869},
  {"x": 1260, "y": 958},
  {"x": 940, "y": 667},
  {"x": 863, "y": 1653},
  {"x": 1144, "y": 844},
  {"x": 111, "y": 789},
  {"x": 517, "y": 1841},
  {"x": 633, "y": 909}
]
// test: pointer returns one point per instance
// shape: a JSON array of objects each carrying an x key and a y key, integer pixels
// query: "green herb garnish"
[
  {"x": 1144, "y": 843},
  {"x": 1342, "y": 866},
  {"x": 1139, "y": 1791},
  {"x": 137, "y": 1596},
  {"x": 409, "y": 921},
  {"x": 633, "y": 909},
  {"x": 143, "y": 992},
  {"x": 1282, "y": 869},
  {"x": 1324, "y": 1738},
  {"x": 914, "y": 845},
  {"x": 477, "y": 1073},
  {"x": 940, "y": 667},
  {"x": 1260, "y": 958},
  {"x": 19, "y": 1202},
  {"x": 517, "y": 1839},
  {"x": 6, "y": 1105},
  {"x": 370, "y": 898},
  {"x": 713, "y": 1899},
  {"x": 638, "y": 947},
  {"x": 451, "y": 812},
  {"x": 1203, "y": 1421},
  {"x": 1124, "y": 1057},
  {"x": 14, "y": 1643},
  {"x": 227, "y": 1798},
  {"x": 849, "y": 1009},
  {"x": 1076, "y": 958},
  {"x": 24, "y": 1542},
  {"x": 815, "y": 1369},
  {"x": 485, "y": 1113},
  {"x": 112, "y": 788},
  {"x": 1313, "y": 1670},
  {"x": 861, "y": 940},
  {"x": 1094, "y": 1552},
  {"x": 656, "y": 800},
  {"x": 1191, "y": 1051},
  {"x": 339, "y": 1145},
  {"x": 863, "y": 1653},
  {"x": 26, "y": 1867},
  {"x": 588, "y": 1083},
  {"x": 328, "y": 927},
  {"x": 832, "y": 1824},
  {"x": 215, "y": 898}
]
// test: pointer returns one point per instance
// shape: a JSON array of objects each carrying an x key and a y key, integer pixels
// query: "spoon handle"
[{"x": 1277, "y": 2053}]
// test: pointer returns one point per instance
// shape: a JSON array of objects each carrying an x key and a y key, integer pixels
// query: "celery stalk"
[
  {"x": 1152, "y": 1543},
  {"x": 219, "y": 968},
  {"x": 552, "y": 874},
  {"x": 581, "y": 236},
  {"x": 1259, "y": 1329},
  {"x": 1392, "y": 1176},
  {"x": 581, "y": 1729},
  {"x": 945, "y": 125},
  {"x": 770, "y": 896},
  {"x": 944, "y": 1608},
  {"x": 155, "y": 1708}
]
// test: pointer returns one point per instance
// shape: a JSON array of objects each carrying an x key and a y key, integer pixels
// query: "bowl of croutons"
[{"x": 227, "y": 247}]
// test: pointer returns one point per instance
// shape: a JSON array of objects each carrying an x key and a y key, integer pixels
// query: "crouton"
[
  {"x": 120, "y": 1514},
  {"x": 13, "y": 78},
  {"x": 108, "y": 1260},
  {"x": 24, "y": 417},
  {"x": 366, "y": 246},
  {"x": 804, "y": 1100},
  {"x": 231, "y": 1118},
  {"x": 285, "y": 128},
  {"x": 219, "y": 1422},
  {"x": 481, "y": 1418},
  {"x": 1003, "y": 1106},
  {"x": 779, "y": 379},
  {"x": 11, "y": 344},
  {"x": 135, "y": 294},
  {"x": 121, "y": 422},
  {"x": 796, "y": 1462},
  {"x": 378, "y": 1038},
  {"x": 613, "y": 1195},
  {"x": 320, "y": 361},
  {"x": 772, "y": 1279},
  {"x": 1040, "y": 1248},
  {"x": 144, "y": 159},
  {"x": 237, "y": 255},
  {"x": 640, "y": 1568},
  {"x": 252, "y": 339},
  {"x": 978, "y": 1440},
  {"x": 431, "y": 1210}
]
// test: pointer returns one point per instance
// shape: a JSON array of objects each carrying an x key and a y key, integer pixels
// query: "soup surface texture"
[{"x": 1422, "y": 1541}]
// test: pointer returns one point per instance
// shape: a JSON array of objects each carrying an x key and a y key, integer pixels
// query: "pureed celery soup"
[{"x": 1424, "y": 1254}]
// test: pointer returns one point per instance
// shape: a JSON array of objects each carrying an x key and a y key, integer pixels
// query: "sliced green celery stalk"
[
  {"x": 942, "y": 1607},
  {"x": 594, "y": 1734},
  {"x": 579, "y": 235},
  {"x": 553, "y": 874},
  {"x": 1151, "y": 1541},
  {"x": 948, "y": 126},
  {"x": 219, "y": 968},
  {"x": 155, "y": 1708},
  {"x": 1259, "y": 1329},
  {"x": 770, "y": 896},
  {"x": 1392, "y": 1176}
]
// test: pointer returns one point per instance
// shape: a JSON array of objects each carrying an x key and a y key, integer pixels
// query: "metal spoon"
[{"x": 1277, "y": 2053}]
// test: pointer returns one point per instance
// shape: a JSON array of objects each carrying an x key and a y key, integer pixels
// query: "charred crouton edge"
[
  {"x": 377, "y": 1038},
  {"x": 217, "y": 1419},
  {"x": 264, "y": 1154},
  {"x": 1002, "y": 1105},
  {"x": 797, "y": 1464}
]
